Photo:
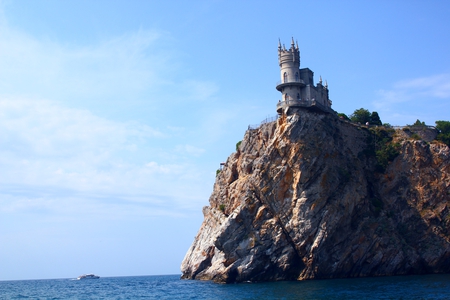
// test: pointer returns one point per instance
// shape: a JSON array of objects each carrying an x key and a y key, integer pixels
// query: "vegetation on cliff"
[
  {"x": 444, "y": 131},
  {"x": 380, "y": 144},
  {"x": 364, "y": 116},
  {"x": 314, "y": 196}
]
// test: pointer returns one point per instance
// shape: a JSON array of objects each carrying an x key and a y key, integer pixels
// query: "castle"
[{"x": 297, "y": 85}]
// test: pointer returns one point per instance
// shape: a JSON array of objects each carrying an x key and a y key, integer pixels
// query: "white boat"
[{"x": 88, "y": 276}]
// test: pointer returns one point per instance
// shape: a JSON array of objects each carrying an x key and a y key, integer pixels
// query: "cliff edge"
[{"x": 303, "y": 198}]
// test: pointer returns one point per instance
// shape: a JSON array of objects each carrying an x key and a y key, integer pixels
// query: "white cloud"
[
  {"x": 190, "y": 150},
  {"x": 58, "y": 154},
  {"x": 123, "y": 66},
  {"x": 197, "y": 90},
  {"x": 424, "y": 88},
  {"x": 428, "y": 95},
  {"x": 154, "y": 167},
  {"x": 434, "y": 86},
  {"x": 52, "y": 152}
]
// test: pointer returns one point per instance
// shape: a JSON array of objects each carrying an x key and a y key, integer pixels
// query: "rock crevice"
[{"x": 302, "y": 199}]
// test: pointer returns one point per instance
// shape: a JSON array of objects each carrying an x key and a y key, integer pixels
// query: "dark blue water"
[{"x": 171, "y": 287}]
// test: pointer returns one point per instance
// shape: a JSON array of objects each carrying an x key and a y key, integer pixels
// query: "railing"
[
  {"x": 290, "y": 80},
  {"x": 412, "y": 127},
  {"x": 303, "y": 103},
  {"x": 265, "y": 121},
  {"x": 415, "y": 127}
]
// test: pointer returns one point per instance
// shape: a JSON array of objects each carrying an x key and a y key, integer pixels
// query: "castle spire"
[
  {"x": 296, "y": 44},
  {"x": 293, "y": 44},
  {"x": 279, "y": 44},
  {"x": 320, "y": 79}
]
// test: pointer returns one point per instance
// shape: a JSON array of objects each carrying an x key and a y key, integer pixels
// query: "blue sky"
[{"x": 115, "y": 115}]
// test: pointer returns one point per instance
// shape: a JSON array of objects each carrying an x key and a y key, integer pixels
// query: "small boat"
[{"x": 88, "y": 276}]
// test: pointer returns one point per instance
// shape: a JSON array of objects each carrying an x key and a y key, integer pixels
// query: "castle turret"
[{"x": 289, "y": 61}]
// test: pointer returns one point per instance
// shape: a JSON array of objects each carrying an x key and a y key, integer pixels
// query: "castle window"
[
  {"x": 298, "y": 96},
  {"x": 286, "y": 97},
  {"x": 296, "y": 76},
  {"x": 285, "y": 77}
]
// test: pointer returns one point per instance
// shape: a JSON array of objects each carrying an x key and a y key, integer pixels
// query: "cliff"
[{"x": 302, "y": 198}]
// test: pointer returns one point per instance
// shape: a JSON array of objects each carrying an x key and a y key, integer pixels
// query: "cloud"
[
  {"x": 154, "y": 167},
  {"x": 434, "y": 86},
  {"x": 53, "y": 152},
  {"x": 191, "y": 150},
  {"x": 429, "y": 95},
  {"x": 123, "y": 66},
  {"x": 62, "y": 150},
  {"x": 198, "y": 90},
  {"x": 424, "y": 88}
]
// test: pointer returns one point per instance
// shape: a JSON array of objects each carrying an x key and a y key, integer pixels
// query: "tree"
[
  {"x": 418, "y": 123},
  {"x": 443, "y": 128},
  {"x": 343, "y": 116},
  {"x": 360, "y": 116},
  {"x": 375, "y": 119}
]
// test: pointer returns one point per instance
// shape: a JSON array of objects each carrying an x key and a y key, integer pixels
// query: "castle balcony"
[
  {"x": 309, "y": 104},
  {"x": 290, "y": 82}
]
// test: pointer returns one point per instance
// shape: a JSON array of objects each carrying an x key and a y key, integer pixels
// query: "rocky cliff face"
[{"x": 301, "y": 199}]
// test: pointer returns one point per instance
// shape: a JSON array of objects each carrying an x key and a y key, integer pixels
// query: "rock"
[{"x": 301, "y": 199}]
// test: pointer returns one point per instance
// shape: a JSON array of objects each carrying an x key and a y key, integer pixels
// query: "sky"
[{"x": 115, "y": 115}]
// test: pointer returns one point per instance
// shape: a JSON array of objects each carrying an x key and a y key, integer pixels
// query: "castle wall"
[
  {"x": 307, "y": 76},
  {"x": 293, "y": 93}
]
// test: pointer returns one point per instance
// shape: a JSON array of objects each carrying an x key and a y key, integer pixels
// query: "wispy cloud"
[
  {"x": 190, "y": 150},
  {"x": 429, "y": 95},
  {"x": 123, "y": 66},
  {"x": 423, "y": 88},
  {"x": 434, "y": 86},
  {"x": 52, "y": 152},
  {"x": 200, "y": 90},
  {"x": 56, "y": 156}
]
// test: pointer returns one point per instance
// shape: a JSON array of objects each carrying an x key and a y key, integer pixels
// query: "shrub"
[
  {"x": 385, "y": 150},
  {"x": 222, "y": 207},
  {"x": 343, "y": 116},
  {"x": 415, "y": 136},
  {"x": 217, "y": 172},
  {"x": 443, "y": 128},
  {"x": 237, "y": 145},
  {"x": 385, "y": 155}
]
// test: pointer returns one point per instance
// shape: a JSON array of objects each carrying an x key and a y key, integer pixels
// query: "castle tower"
[
  {"x": 289, "y": 61},
  {"x": 297, "y": 85}
]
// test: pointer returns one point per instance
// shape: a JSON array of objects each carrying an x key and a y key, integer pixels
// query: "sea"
[{"x": 172, "y": 287}]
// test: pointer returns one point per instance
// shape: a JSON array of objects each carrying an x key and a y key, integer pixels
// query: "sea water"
[{"x": 171, "y": 287}]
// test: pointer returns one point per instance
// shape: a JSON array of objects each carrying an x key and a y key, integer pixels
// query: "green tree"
[
  {"x": 361, "y": 115},
  {"x": 375, "y": 119},
  {"x": 443, "y": 128},
  {"x": 418, "y": 123},
  {"x": 343, "y": 116}
]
